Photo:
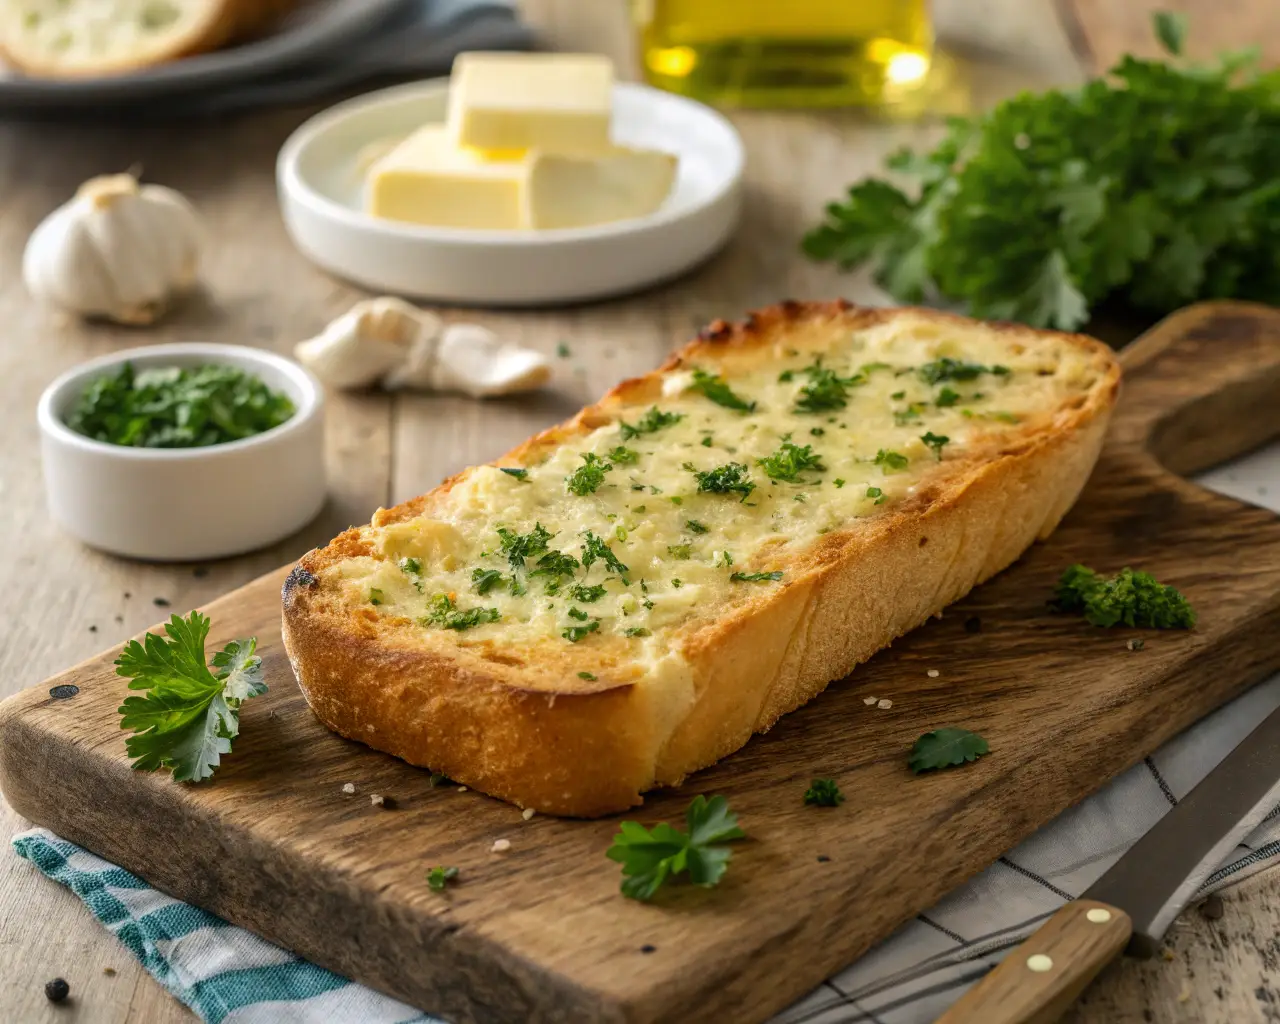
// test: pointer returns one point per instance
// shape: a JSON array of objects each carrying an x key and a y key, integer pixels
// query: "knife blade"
[{"x": 1132, "y": 905}]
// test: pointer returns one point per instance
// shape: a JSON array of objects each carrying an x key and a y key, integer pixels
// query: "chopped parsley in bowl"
[{"x": 177, "y": 407}]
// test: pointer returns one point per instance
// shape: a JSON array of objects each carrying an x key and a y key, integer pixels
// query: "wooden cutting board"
[{"x": 541, "y": 933}]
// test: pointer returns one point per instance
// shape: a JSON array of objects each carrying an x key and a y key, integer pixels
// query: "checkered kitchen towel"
[{"x": 228, "y": 975}]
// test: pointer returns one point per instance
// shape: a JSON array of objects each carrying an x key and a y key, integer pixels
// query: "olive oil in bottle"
[{"x": 778, "y": 53}]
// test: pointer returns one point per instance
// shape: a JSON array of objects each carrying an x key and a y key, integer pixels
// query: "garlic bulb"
[
  {"x": 393, "y": 343},
  {"x": 118, "y": 250}
]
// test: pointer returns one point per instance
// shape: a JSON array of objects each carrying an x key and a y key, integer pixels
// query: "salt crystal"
[
  {"x": 375, "y": 799},
  {"x": 868, "y": 700},
  {"x": 350, "y": 787},
  {"x": 501, "y": 845},
  {"x": 884, "y": 704},
  {"x": 527, "y": 813},
  {"x": 933, "y": 673}
]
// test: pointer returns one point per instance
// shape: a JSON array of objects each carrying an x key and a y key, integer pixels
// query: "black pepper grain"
[
  {"x": 388, "y": 803},
  {"x": 200, "y": 572},
  {"x": 57, "y": 990},
  {"x": 973, "y": 624},
  {"x": 823, "y": 858},
  {"x": 646, "y": 948},
  {"x": 160, "y": 602},
  {"x": 93, "y": 629}
]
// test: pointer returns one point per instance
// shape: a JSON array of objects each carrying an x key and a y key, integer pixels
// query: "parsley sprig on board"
[
  {"x": 189, "y": 715},
  {"x": 1151, "y": 186},
  {"x": 946, "y": 748},
  {"x": 1128, "y": 598},
  {"x": 174, "y": 407},
  {"x": 651, "y": 856}
]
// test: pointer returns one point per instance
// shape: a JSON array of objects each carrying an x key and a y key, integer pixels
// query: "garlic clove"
[
  {"x": 361, "y": 346},
  {"x": 474, "y": 360},
  {"x": 118, "y": 250}
]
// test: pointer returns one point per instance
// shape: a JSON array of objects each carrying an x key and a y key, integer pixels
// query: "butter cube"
[
  {"x": 555, "y": 102},
  {"x": 428, "y": 179},
  {"x": 576, "y": 191}
]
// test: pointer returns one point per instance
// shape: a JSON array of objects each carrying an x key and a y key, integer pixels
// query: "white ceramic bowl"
[
  {"x": 184, "y": 504},
  {"x": 321, "y": 187}
]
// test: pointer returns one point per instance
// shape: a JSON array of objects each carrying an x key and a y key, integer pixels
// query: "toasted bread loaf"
[
  {"x": 892, "y": 460},
  {"x": 86, "y": 38}
]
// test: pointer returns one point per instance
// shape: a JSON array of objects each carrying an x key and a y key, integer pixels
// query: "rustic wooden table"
[{"x": 61, "y": 603}]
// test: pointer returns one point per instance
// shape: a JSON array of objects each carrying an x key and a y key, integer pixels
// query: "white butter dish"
[
  {"x": 186, "y": 504},
  {"x": 321, "y": 172}
]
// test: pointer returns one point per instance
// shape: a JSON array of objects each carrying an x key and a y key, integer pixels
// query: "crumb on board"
[
  {"x": 500, "y": 846},
  {"x": 376, "y": 799},
  {"x": 868, "y": 701},
  {"x": 349, "y": 788},
  {"x": 462, "y": 789},
  {"x": 528, "y": 813},
  {"x": 110, "y": 972},
  {"x": 1166, "y": 954},
  {"x": 1184, "y": 993},
  {"x": 884, "y": 703},
  {"x": 933, "y": 673}
]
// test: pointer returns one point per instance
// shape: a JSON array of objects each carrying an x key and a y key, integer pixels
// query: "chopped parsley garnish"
[
  {"x": 677, "y": 582},
  {"x": 823, "y": 793},
  {"x": 376, "y": 596},
  {"x": 636, "y": 631},
  {"x": 707, "y": 442},
  {"x": 947, "y": 398},
  {"x": 189, "y": 715},
  {"x": 651, "y": 422},
  {"x": 579, "y": 614},
  {"x": 817, "y": 431},
  {"x": 651, "y": 856},
  {"x": 755, "y": 577},
  {"x": 412, "y": 568},
  {"x": 890, "y": 460},
  {"x": 947, "y": 368},
  {"x": 936, "y": 442},
  {"x": 444, "y": 613},
  {"x": 590, "y": 475},
  {"x": 484, "y": 580},
  {"x": 177, "y": 407},
  {"x": 587, "y": 595},
  {"x": 555, "y": 564},
  {"x": 587, "y": 676},
  {"x": 438, "y": 878},
  {"x": 562, "y": 350},
  {"x": 1005, "y": 417},
  {"x": 680, "y": 550},
  {"x": 594, "y": 549},
  {"x": 826, "y": 389},
  {"x": 790, "y": 460},
  {"x": 519, "y": 474},
  {"x": 898, "y": 395},
  {"x": 517, "y": 547},
  {"x": 943, "y": 748},
  {"x": 838, "y": 483},
  {"x": 875, "y": 492},
  {"x": 727, "y": 479},
  {"x": 911, "y": 414},
  {"x": 575, "y": 634},
  {"x": 714, "y": 387},
  {"x": 623, "y": 455},
  {"x": 694, "y": 526},
  {"x": 1128, "y": 598}
]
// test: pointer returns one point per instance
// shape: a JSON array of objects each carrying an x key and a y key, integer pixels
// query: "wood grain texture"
[
  {"x": 541, "y": 933},
  {"x": 1039, "y": 979},
  {"x": 383, "y": 449}
]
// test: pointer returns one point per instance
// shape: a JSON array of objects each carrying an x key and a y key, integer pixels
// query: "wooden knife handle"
[{"x": 1038, "y": 980}]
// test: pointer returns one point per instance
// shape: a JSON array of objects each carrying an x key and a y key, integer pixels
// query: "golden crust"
[{"x": 541, "y": 737}]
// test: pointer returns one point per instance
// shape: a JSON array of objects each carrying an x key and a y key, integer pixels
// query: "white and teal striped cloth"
[{"x": 228, "y": 976}]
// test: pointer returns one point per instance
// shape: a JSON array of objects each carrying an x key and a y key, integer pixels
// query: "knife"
[{"x": 1131, "y": 906}]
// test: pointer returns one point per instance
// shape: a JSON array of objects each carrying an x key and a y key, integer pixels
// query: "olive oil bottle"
[{"x": 778, "y": 53}]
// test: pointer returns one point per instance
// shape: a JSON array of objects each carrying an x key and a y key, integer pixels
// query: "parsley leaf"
[
  {"x": 590, "y": 475},
  {"x": 936, "y": 442},
  {"x": 947, "y": 368},
  {"x": 790, "y": 460},
  {"x": 943, "y": 748},
  {"x": 636, "y": 631},
  {"x": 714, "y": 387},
  {"x": 1129, "y": 598},
  {"x": 947, "y": 398},
  {"x": 438, "y": 878},
  {"x": 826, "y": 389},
  {"x": 755, "y": 577},
  {"x": 890, "y": 460},
  {"x": 623, "y": 455},
  {"x": 651, "y": 422},
  {"x": 443, "y": 612},
  {"x": 484, "y": 580},
  {"x": 823, "y": 793},
  {"x": 189, "y": 715},
  {"x": 517, "y": 547},
  {"x": 555, "y": 564},
  {"x": 575, "y": 634},
  {"x": 651, "y": 856},
  {"x": 693, "y": 526},
  {"x": 727, "y": 479},
  {"x": 587, "y": 595},
  {"x": 177, "y": 407},
  {"x": 878, "y": 494},
  {"x": 594, "y": 549},
  {"x": 519, "y": 474}
]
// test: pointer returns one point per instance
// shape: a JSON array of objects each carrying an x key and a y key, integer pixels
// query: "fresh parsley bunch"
[
  {"x": 650, "y": 856},
  {"x": 1129, "y": 598},
  {"x": 190, "y": 714},
  {"x": 1150, "y": 187}
]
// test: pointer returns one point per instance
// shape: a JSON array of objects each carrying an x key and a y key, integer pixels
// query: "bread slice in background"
[
  {"x": 88, "y": 38},
  {"x": 685, "y": 663}
]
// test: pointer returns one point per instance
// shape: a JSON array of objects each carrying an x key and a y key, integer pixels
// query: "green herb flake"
[
  {"x": 1129, "y": 598},
  {"x": 945, "y": 748},
  {"x": 485, "y": 580},
  {"x": 519, "y": 474},
  {"x": 622, "y": 455},
  {"x": 562, "y": 350},
  {"x": 444, "y": 613},
  {"x": 650, "y": 857},
  {"x": 589, "y": 677},
  {"x": 693, "y": 526},
  {"x": 733, "y": 477},
  {"x": 376, "y": 596},
  {"x": 177, "y": 407},
  {"x": 826, "y": 389},
  {"x": 589, "y": 476},
  {"x": 877, "y": 493},
  {"x": 517, "y": 547},
  {"x": 637, "y": 631},
  {"x": 715, "y": 388},
  {"x": 594, "y": 549},
  {"x": 790, "y": 460},
  {"x": 935, "y": 442},
  {"x": 823, "y": 793},
  {"x": 189, "y": 715},
  {"x": 439, "y": 877},
  {"x": 680, "y": 550},
  {"x": 890, "y": 461},
  {"x": 651, "y": 422},
  {"x": 838, "y": 483},
  {"x": 706, "y": 441},
  {"x": 947, "y": 398},
  {"x": 755, "y": 577},
  {"x": 579, "y": 614},
  {"x": 576, "y": 634},
  {"x": 587, "y": 595}
]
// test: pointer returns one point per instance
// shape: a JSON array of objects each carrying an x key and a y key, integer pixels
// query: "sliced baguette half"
[
  {"x": 89, "y": 38},
  {"x": 890, "y": 461}
]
